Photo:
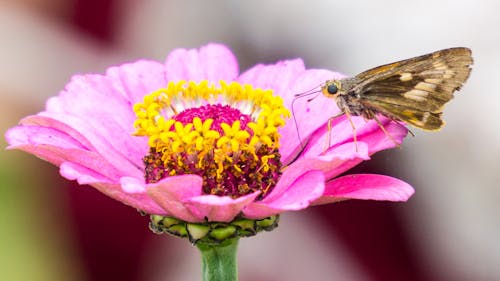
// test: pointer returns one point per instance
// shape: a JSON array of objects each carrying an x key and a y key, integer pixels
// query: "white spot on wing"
[
  {"x": 406, "y": 76},
  {"x": 428, "y": 87},
  {"x": 448, "y": 74},
  {"x": 416, "y": 95},
  {"x": 425, "y": 117},
  {"x": 433, "y": 80}
]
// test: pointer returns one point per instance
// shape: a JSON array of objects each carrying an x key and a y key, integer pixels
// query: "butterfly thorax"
[{"x": 347, "y": 99}]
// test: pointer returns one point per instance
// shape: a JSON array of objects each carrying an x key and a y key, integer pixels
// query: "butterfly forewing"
[{"x": 413, "y": 90}]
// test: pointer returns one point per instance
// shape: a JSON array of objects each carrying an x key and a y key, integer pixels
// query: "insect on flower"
[{"x": 414, "y": 90}]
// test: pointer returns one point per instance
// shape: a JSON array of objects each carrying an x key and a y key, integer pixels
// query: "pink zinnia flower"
[{"x": 193, "y": 139}]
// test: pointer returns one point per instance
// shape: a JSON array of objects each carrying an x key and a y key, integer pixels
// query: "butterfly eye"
[{"x": 332, "y": 89}]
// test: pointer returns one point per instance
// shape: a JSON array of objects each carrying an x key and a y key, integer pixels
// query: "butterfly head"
[{"x": 331, "y": 88}]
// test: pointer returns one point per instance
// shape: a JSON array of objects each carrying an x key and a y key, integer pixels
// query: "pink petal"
[
  {"x": 132, "y": 185},
  {"x": 299, "y": 195},
  {"x": 83, "y": 175},
  {"x": 377, "y": 140},
  {"x": 133, "y": 192},
  {"x": 135, "y": 80},
  {"x": 213, "y": 62},
  {"x": 33, "y": 135},
  {"x": 282, "y": 79},
  {"x": 218, "y": 208},
  {"x": 76, "y": 163},
  {"x": 366, "y": 187},
  {"x": 140, "y": 201},
  {"x": 113, "y": 162},
  {"x": 279, "y": 77},
  {"x": 57, "y": 148},
  {"x": 332, "y": 163},
  {"x": 94, "y": 107},
  {"x": 171, "y": 194}
]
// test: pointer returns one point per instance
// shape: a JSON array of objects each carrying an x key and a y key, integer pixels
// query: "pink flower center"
[{"x": 219, "y": 113}]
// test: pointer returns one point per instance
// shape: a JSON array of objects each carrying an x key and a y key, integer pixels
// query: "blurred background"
[{"x": 53, "y": 229}]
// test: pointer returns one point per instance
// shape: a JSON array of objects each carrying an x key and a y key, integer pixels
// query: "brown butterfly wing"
[{"x": 415, "y": 90}]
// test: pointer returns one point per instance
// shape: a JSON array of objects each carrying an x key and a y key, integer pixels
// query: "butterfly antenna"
[
  {"x": 296, "y": 126},
  {"x": 300, "y": 95},
  {"x": 309, "y": 92}
]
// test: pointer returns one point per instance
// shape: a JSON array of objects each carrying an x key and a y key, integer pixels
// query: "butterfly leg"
[
  {"x": 329, "y": 126},
  {"x": 329, "y": 138},
  {"x": 329, "y": 132},
  {"x": 354, "y": 133},
  {"x": 385, "y": 131}
]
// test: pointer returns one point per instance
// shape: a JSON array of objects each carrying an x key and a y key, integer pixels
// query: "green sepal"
[
  {"x": 197, "y": 231},
  {"x": 224, "y": 232},
  {"x": 212, "y": 232}
]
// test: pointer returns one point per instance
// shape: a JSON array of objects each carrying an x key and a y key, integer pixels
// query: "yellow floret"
[{"x": 155, "y": 119}]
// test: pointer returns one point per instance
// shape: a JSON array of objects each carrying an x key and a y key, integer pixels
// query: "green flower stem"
[{"x": 219, "y": 261}]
